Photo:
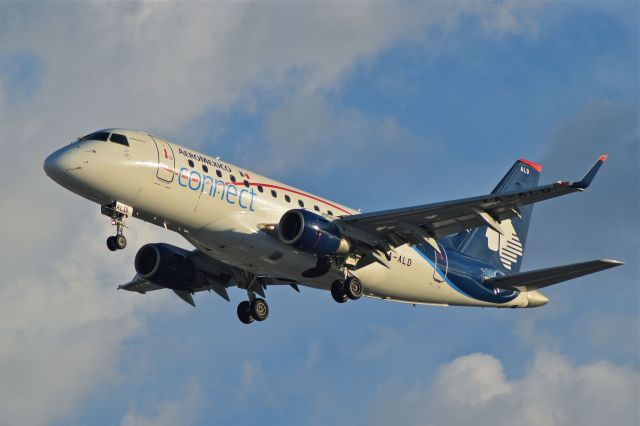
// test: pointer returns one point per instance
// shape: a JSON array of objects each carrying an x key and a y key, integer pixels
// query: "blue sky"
[{"x": 373, "y": 105}]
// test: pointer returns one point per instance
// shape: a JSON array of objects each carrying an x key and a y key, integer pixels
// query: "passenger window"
[
  {"x": 260, "y": 189},
  {"x": 97, "y": 136},
  {"x": 118, "y": 138},
  {"x": 205, "y": 169},
  {"x": 316, "y": 208},
  {"x": 287, "y": 198},
  {"x": 190, "y": 163},
  {"x": 218, "y": 173},
  {"x": 246, "y": 183},
  {"x": 233, "y": 178},
  {"x": 301, "y": 203},
  {"x": 330, "y": 212},
  {"x": 274, "y": 194}
]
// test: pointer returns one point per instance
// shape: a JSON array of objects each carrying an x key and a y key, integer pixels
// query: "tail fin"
[{"x": 504, "y": 251}]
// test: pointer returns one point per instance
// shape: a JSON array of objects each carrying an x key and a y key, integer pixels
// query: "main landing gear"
[
  {"x": 254, "y": 309},
  {"x": 351, "y": 288}
]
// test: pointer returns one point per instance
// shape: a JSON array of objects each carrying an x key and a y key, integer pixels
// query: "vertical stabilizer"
[{"x": 505, "y": 251}]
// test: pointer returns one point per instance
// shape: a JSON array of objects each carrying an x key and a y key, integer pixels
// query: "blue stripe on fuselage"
[{"x": 469, "y": 287}]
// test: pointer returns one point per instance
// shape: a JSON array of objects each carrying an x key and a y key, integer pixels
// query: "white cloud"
[
  {"x": 310, "y": 130},
  {"x": 64, "y": 323},
  {"x": 553, "y": 391},
  {"x": 155, "y": 66},
  {"x": 182, "y": 411}
]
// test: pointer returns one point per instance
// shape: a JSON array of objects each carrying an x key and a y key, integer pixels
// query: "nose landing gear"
[{"x": 118, "y": 241}]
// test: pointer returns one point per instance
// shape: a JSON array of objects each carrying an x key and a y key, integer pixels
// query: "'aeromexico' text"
[{"x": 204, "y": 159}]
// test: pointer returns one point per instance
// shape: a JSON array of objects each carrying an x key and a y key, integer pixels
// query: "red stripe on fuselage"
[{"x": 267, "y": 185}]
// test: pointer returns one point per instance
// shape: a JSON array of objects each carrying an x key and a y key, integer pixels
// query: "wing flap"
[
  {"x": 186, "y": 296},
  {"x": 534, "y": 280},
  {"x": 139, "y": 285}
]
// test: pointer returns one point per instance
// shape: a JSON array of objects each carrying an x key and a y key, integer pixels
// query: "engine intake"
[
  {"x": 312, "y": 233},
  {"x": 166, "y": 265}
]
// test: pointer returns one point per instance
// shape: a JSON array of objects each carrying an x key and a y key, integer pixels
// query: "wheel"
[
  {"x": 121, "y": 241},
  {"x": 111, "y": 243},
  {"x": 337, "y": 292},
  {"x": 259, "y": 309},
  {"x": 244, "y": 312},
  {"x": 353, "y": 288}
]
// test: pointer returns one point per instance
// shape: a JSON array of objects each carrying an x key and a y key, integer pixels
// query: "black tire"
[
  {"x": 244, "y": 312},
  {"x": 337, "y": 292},
  {"x": 120, "y": 241},
  {"x": 353, "y": 288},
  {"x": 259, "y": 309},
  {"x": 111, "y": 243}
]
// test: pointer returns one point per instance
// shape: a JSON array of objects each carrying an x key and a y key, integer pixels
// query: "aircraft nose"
[
  {"x": 536, "y": 299},
  {"x": 58, "y": 163},
  {"x": 53, "y": 164}
]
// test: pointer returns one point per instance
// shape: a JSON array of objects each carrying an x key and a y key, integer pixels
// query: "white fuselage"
[{"x": 221, "y": 208}]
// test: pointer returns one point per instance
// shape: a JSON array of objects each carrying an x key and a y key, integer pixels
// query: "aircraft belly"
[{"x": 237, "y": 240}]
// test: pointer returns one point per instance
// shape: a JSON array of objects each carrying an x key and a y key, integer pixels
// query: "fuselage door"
[
  {"x": 166, "y": 160},
  {"x": 440, "y": 261}
]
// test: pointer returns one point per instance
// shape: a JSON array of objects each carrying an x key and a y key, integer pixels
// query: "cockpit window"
[
  {"x": 118, "y": 138},
  {"x": 97, "y": 136}
]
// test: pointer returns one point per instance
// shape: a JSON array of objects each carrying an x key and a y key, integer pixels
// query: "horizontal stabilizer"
[{"x": 533, "y": 280}]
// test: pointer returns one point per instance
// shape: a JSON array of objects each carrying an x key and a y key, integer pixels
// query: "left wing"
[
  {"x": 212, "y": 275},
  {"x": 387, "y": 229}
]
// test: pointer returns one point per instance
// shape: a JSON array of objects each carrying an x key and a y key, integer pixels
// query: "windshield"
[{"x": 97, "y": 136}]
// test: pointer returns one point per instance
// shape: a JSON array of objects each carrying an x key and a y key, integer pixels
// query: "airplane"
[{"x": 253, "y": 232}]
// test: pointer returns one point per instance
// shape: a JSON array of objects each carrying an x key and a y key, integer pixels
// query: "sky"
[{"x": 374, "y": 105}]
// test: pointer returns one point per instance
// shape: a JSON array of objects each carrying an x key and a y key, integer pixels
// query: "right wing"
[
  {"x": 534, "y": 280},
  {"x": 388, "y": 229}
]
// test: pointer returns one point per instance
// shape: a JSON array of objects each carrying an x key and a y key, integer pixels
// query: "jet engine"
[
  {"x": 166, "y": 265},
  {"x": 312, "y": 233}
]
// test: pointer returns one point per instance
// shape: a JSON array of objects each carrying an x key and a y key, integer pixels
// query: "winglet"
[{"x": 588, "y": 178}]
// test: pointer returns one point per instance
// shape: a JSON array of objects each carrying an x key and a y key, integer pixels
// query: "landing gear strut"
[{"x": 254, "y": 309}]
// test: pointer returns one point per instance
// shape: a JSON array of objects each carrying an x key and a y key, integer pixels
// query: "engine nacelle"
[
  {"x": 312, "y": 233},
  {"x": 166, "y": 265}
]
